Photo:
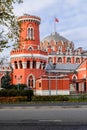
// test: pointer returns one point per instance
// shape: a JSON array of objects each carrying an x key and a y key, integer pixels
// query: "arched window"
[
  {"x": 31, "y": 81},
  {"x": 16, "y": 65},
  {"x": 30, "y": 48},
  {"x": 20, "y": 64},
  {"x": 77, "y": 60},
  {"x": 28, "y": 64},
  {"x": 68, "y": 60},
  {"x": 59, "y": 60},
  {"x": 30, "y": 33},
  {"x": 34, "y": 64},
  {"x": 2, "y": 81},
  {"x": 44, "y": 64},
  {"x": 50, "y": 59}
]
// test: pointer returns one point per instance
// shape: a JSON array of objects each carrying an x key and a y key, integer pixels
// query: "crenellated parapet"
[{"x": 30, "y": 18}]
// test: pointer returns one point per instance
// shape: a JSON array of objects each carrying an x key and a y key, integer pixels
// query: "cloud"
[
  {"x": 72, "y": 15},
  {"x": 77, "y": 35},
  {"x": 32, "y": 6}
]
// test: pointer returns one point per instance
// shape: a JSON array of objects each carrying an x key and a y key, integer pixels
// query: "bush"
[
  {"x": 13, "y": 99},
  {"x": 14, "y": 93},
  {"x": 3, "y": 93},
  {"x": 17, "y": 87},
  {"x": 50, "y": 98}
]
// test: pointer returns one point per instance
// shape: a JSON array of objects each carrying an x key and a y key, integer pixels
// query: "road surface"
[
  {"x": 45, "y": 114},
  {"x": 43, "y": 117}
]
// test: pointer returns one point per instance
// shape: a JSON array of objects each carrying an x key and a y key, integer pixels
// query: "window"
[
  {"x": 16, "y": 65},
  {"x": 34, "y": 64},
  {"x": 44, "y": 64},
  {"x": 59, "y": 60},
  {"x": 30, "y": 48},
  {"x": 40, "y": 64},
  {"x": 30, "y": 33},
  {"x": 39, "y": 84},
  {"x": 15, "y": 76},
  {"x": 77, "y": 60},
  {"x": 20, "y": 64},
  {"x": 30, "y": 82},
  {"x": 50, "y": 59},
  {"x": 28, "y": 64},
  {"x": 68, "y": 60}
]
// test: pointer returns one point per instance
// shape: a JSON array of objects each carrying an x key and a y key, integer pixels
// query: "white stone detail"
[
  {"x": 13, "y": 66},
  {"x": 81, "y": 69},
  {"x": 37, "y": 65},
  {"x": 31, "y": 65},
  {"x": 52, "y": 92},
  {"x": 24, "y": 65},
  {"x": 30, "y": 55},
  {"x": 34, "y": 19},
  {"x": 18, "y": 65}
]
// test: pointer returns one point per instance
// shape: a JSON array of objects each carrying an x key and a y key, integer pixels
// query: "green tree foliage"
[
  {"x": 9, "y": 28},
  {"x": 6, "y": 80}
]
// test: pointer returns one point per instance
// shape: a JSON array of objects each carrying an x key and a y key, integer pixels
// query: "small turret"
[{"x": 29, "y": 35}]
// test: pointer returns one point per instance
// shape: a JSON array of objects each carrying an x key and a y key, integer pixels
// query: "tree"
[
  {"x": 9, "y": 27},
  {"x": 6, "y": 81}
]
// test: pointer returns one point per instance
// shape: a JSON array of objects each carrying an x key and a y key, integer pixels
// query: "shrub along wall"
[
  {"x": 15, "y": 95},
  {"x": 50, "y": 98},
  {"x": 59, "y": 98},
  {"x": 13, "y": 99}
]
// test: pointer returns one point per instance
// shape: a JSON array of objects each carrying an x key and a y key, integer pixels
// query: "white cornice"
[
  {"x": 22, "y": 19},
  {"x": 81, "y": 69},
  {"x": 30, "y": 55}
]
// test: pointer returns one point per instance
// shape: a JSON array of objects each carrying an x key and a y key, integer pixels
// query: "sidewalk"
[{"x": 44, "y": 105}]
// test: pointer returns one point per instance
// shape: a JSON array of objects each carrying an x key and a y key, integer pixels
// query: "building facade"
[{"x": 50, "y": 67}]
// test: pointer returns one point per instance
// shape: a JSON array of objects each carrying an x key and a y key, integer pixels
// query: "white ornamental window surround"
[
  {"x": 30, "y": 48},
  {"x": 30, "y": 33}
]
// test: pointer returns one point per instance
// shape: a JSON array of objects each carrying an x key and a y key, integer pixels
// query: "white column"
[
  {"x": 13, "y": 65},
  {"x": 42, "y": 66},
  {"x": 31, "y": 65},
  {"x": 24, "y": 65},
  {"x": 18, "y": 65},
  {"x": 37, "y": 65}
]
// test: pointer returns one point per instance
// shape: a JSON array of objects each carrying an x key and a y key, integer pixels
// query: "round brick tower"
[
  {"x": 29, "y": 34},
  {"x": 28, "y": 61}
]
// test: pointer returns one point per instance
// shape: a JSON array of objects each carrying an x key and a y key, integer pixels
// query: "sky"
[{"x": 72, "y": 16}]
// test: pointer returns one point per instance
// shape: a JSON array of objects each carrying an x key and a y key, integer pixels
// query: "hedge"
[
  {"x": 59, "y": 98},
  {"x": 50, "y": 98},
  {"x": 13, "y": 99},
  {"x": 15, "y": 93}
]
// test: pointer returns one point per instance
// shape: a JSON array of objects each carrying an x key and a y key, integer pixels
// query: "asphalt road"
[
  {"x": 43, "y": 117},
  {"x": 58, "y": 114}
]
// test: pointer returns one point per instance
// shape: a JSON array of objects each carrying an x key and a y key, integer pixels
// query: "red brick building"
[{"x": 50, "y": 67}]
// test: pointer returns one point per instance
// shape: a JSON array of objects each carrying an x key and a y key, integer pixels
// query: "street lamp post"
[
  {"x": 56, "y": 84},
  {"x": 18, "y": 82},
  {"x": 49, "y": 85}
]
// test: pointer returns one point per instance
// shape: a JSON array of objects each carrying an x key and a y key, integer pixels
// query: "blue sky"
[{"x": 72, "y": 15}]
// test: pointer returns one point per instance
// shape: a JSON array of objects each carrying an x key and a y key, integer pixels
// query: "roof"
[
  {"x": 61, "y": 67},
  {"x": 55, "y": 36}
]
